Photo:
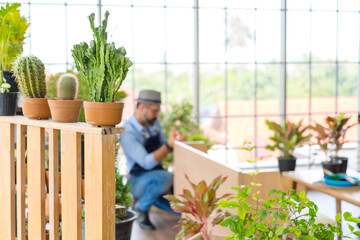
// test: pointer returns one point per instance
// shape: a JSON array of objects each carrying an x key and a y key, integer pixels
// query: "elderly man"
[{"x": 145, "y": 146}]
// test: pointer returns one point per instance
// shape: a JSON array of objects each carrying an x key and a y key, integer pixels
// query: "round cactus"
[
  {"x": 67, "y": 87},
  {"x": 30, "y": 75}
]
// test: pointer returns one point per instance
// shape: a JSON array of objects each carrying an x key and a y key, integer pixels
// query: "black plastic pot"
[
  {"x": 8, "y": 103},
  {"x": 286, "y": 164},
  {"x": 123, "y": 228},
  {"x": 344, "y": 163},
  {"x": 336, "y": 164},
  {"x": 8, "y": 75}
]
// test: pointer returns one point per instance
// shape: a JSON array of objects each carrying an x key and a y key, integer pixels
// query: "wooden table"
[{"x": 312, "y": 179}]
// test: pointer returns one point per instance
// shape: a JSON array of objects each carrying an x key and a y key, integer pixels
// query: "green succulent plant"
[
  {"x": 102, "y": 64},
  {"x": 30, "y": 75},
  {"x": 67, "y": 87},
  {"x": 287, "y": 137}
]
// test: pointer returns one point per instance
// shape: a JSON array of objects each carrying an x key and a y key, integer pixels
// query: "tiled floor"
[{"x": 164, "y": 223}]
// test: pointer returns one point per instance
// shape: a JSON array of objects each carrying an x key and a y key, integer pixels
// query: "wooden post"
[
  {"x": 20, "y": 181},
  {"x": 99, "y": 187},
  {"x": 54, "y": 184},
  {"x": 7, "y": 182},
  {"x": 36, "y": 183},
  {"x": 71, "y": 184}
]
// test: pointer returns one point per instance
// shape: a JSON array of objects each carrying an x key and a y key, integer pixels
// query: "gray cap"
[{"x": 149, "y": 96}]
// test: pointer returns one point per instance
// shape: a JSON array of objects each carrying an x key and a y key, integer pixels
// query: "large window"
[{"x": 239, "y": 46}]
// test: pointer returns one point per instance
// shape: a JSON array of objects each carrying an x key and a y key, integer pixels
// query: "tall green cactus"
[
  {"x": 102, "y": 64},
  {"x": 30, "y": 74},
  {"x": 67, "y": 87}
]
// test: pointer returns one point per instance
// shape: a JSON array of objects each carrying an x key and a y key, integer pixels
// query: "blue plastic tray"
[{"x": 339, "y": 183}]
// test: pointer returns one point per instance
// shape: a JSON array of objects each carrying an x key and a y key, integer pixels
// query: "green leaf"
[
  {"x": 357, "y": 233},
  {"x": 279, "y": 231},
  {"x": 310, "y": 238},
  {"x": 262, "y": 214},
  {"x": 242, "y": 212},
  {"x": 347, "y": 215},
  {"x": 271, "y": 192},
  {"x": 351, "y": 228},
  {"x": 262, "y": 227},
  {"x": 338, "y": 217}
]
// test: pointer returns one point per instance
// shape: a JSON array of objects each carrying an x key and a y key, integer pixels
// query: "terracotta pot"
[
  {"x": 104, "y": 114},
  {"x": 65, "y": 110},
  {"x": 36, "y": 108}
]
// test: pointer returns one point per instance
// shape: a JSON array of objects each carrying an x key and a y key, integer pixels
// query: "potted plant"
[
  {"x": 12, "y": 34},
  {"x": 285, "y": 139},
  {"x": 201, "y": 205},
  {"x": 66, "y": 108},
  {"x": 331, "y": 138},
  {"x": 104, "y": 67},
  {"x": 285, "y": 215},
  {"x": 83, "y": 92},
  {"x": 180, "y": 118},
  {"x": 30, "y": 75},
  {"x": 124, "y": 216}
]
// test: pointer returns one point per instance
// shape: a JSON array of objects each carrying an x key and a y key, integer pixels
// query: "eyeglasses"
[{"x": 155, "y": 111}]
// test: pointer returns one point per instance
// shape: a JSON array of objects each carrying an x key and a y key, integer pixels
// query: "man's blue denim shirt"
[{"x": 133, "y": 140}]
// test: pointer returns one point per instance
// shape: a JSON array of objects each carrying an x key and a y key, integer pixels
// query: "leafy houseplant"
[
  {"x": 30, "y": 75},
  {"x": 12, "y": 34},
  {"x": 286, "y": 215},
  {"x": 126, "y": 217},
  {"x": 104, "y": 67},
  {"x": 201, "y": 205},
  {"x": 180, "y": 118},
  {"x": 66, "y": 108},
  {"x": 331, "y": 138},
  {"x": 285, "y": 139}
]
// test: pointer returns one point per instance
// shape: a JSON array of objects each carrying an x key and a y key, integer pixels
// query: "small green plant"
[
  {"x": 67, "y": 87},
  {"x": 102, "y": 65},
  {"x": 180, "y": 118},
  {"x": 331, "y": 137},
  {"x": 201, "y": 205},
  {"x": 287, "y": 137},
  {"x": 12, "y": 34},
  {"x": 30, "y": 75},
  {"x": 122, "y": 194},
  {"x": 286, "y": 215}
]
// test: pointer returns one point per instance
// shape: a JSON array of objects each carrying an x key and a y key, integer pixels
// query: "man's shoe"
[{"x": 144, "y": 221}]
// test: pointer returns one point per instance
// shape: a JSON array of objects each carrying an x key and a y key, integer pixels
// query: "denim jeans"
[{"x": 149, "y": 187}]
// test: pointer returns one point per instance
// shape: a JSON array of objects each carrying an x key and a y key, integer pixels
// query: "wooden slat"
[
  {"x": 36, "y": 183},
  {"x": 7, "y": 182},
  {"x": 54, "y": 184},
  {"x": 71, "y": 185},
  {"x": 76, "y": 127},
  {"x": 99, "y": 187},
  {"x": 20, "y": 181}
]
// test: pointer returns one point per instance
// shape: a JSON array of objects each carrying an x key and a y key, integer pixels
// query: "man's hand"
[{"x": 175, "y": 135}]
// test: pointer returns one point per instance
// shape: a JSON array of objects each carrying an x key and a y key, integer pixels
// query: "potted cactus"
[
  {"x": 12, "y": 34},
  {"x": 105, "y": 68},
  {"x": 66, "y": 108},
  {"x": 30, "y": 75}
]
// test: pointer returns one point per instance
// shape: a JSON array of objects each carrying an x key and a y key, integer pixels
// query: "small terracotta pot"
[
  {"x": 65, "y": 110},
  {"x": 36, "y": 108},
  {"x": 104, "y": 114}
]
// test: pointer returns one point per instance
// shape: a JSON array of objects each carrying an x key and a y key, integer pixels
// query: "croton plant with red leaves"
[{"x": 201, "y": 205}]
